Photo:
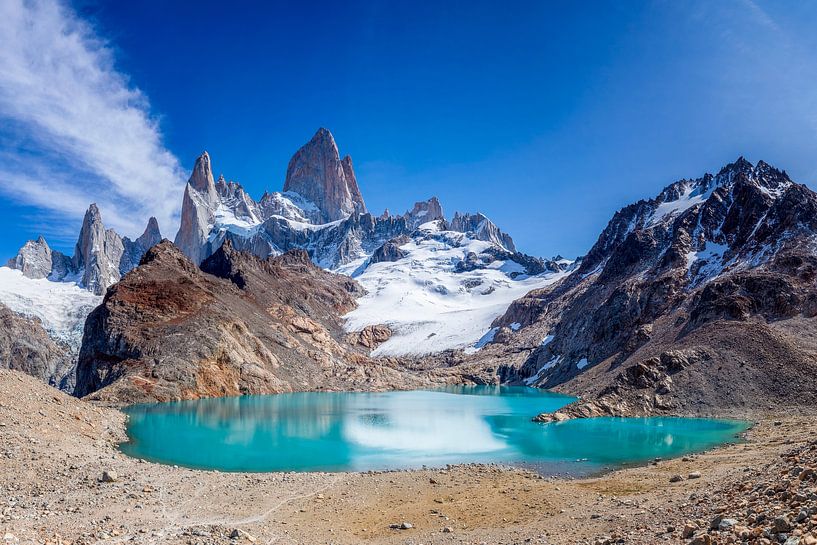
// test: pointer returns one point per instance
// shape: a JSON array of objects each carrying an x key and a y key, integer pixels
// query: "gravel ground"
[{"x": 62, "y": 480}]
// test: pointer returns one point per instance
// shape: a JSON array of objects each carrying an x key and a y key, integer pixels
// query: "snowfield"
[
  {"x": 61, "y": 306},
  {"x": 428, "y": 305}
]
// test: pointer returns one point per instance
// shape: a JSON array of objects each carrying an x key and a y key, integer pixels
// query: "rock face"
[
  {"x": 390, "y": 251},
  {"x": 34, "y": 259},
  {"x": 100, "y": 258},
  {"x": 97, "y": 253},
  {"x": 317, "y": 174},
  {"x": 423, "y": 212},
  {"x": 198, "y": 211},
  {"x": 483, "y": 229},
  {"x": 702, "y": 297},
  {"x": 25, "y": 346},
  {"x": 240, "y": 324}
]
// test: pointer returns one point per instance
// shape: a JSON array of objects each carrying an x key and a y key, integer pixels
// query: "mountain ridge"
[{"x": 713, "y": 273}]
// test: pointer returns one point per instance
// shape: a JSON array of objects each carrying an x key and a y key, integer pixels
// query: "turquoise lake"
[{"x": 345, "y": 431}]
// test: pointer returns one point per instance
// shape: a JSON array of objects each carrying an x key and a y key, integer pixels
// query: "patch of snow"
[
  {"x": 485, "y": 339},
  {"x": 667, "y": 210},
  {"x": 712, "y": 255},
  {"x": 776, "y": 192},
  {"x": 430, "y": 307},
  {"x": 430, "y": 226},
  {"x": 554, "y": 361},
  {"x": 515, "y": 326},
  {"x": 546, "y": 340},
  {"x": 582, "y": 363},
  {"x": 62, "y": 307}
]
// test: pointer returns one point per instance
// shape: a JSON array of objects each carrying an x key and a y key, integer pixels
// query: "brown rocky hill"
[
  {"x": 700, "y": 300},
  {"x": 239, "y": 325}
]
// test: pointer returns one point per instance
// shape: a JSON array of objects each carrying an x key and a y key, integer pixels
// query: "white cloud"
[{"x": 87, "y": 134}]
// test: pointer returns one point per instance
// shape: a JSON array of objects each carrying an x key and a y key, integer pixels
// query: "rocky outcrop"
[
  {"x": 423, "y": 212},
  {"x": 25, "y": 346},
  {"x": 370, "y": 336},
  {"x": 102, "y": 256},
  {"x": 317, "y": 173},
  {"x": 390, "y": 251},
  {"x": 482, "y": 229},
  {"x": 36, "y": 260},
  {"x": 240, "y": 324}
]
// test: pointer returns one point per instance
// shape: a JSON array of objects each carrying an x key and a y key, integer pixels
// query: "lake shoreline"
[
  {"x": 56, "y": 450},
  {"x": 421, "y": 429}
]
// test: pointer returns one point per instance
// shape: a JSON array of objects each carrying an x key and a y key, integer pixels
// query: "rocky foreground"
[{"x": 64, "y": 481}]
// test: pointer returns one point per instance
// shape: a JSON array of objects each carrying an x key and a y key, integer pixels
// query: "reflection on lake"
[{"x": 336, "y": 431}]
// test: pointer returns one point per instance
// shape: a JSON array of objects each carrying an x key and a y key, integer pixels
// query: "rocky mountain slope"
[
  {"x": 237, "y": 325},
  {"x": 26, "y": 346},
  {"x": 702, "y": 297}
]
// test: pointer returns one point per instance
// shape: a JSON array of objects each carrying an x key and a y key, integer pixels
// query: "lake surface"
[{"x": 345, "y": 431}]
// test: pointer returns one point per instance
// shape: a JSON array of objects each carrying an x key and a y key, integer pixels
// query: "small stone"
[
  {"x": 406, "y": 526},
  {"x": 676, "y": 479},
  {"x": 781, "y": 525},
  {"x": 727, "y": 524},
  {"x": 694, "y": 475},
  {"x": 109, "y": 477},
  {"x": 802, "y": 516},
  {"x": 448, "y": 530},
  {"x": 701, "y": 539},
  {"x": 689, "y": 529}
]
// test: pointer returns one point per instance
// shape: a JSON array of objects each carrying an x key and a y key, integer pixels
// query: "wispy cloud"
[{"x": 75, "y": 130}]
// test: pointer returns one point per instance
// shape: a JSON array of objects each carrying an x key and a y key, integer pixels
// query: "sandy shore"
[{"x": 54, "y": 450}]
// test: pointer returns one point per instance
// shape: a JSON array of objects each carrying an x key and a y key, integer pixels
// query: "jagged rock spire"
[
  {"x": 151, "y": 236},
  {"x": 201, "y": 178},
  {"x": 198, "y": 210},
  {"x": 317, "y": 173},
  {"x": 98, "y": 253}
]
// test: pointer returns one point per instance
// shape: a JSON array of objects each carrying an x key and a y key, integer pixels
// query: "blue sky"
[{"x": 545, "y": 116}]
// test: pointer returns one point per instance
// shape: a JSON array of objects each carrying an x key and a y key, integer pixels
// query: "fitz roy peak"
[
  {"x": 320, "y": 210},
  {"x": 317, "y": 173}
]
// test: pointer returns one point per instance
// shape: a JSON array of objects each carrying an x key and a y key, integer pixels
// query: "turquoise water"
[{"x": 345, "y": 431}]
